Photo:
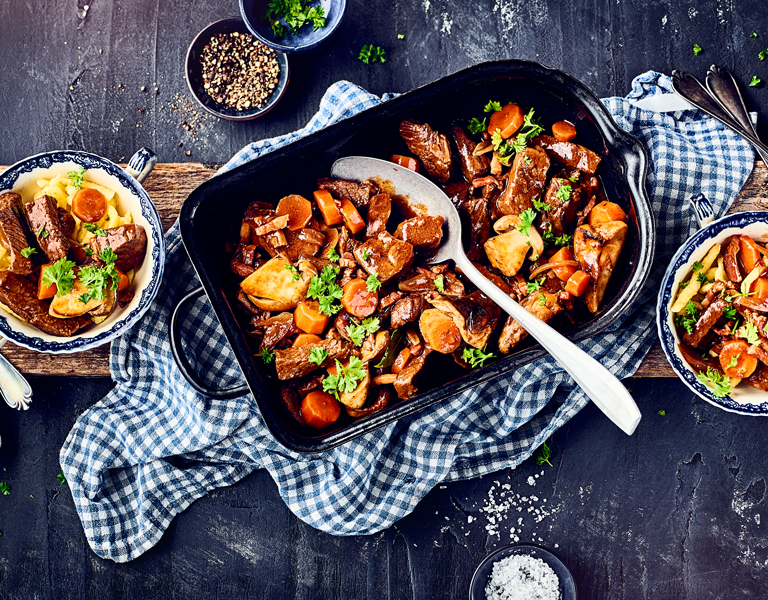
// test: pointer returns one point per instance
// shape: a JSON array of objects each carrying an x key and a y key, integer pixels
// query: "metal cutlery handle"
[
  {"x": 15, "y": 390},
  {"x": 602, "y": 387}
]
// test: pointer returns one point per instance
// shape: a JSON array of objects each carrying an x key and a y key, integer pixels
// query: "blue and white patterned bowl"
[
  {"x": 743, "y": 399},
  {"x": 21, "y": 178}
]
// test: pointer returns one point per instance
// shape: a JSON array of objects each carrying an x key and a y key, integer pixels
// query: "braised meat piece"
[
  {"x": 20, "y": 295},
  {"x": 564, "y": 200},
  {"x": 359, "y": 194},
  {"x": 472, "y": 166},
  {"x": 407, "y": 310},
  {"x": 276, "y": 329},
  {"x": 525, "y": 181},
  {"x": 294, "y": 362},
  {"x": 569, "y": 154},
  {"x": 382, "y": 400},
  {"x": 597, "y": 249},
  {"x": 14, "y": 234},
  {"x": 385, "y": 256},
  {"x": 705, "y": 323},
  {"x": 425, "y": 279},
  {"x": 405, "y": 382},
  {"x": 379, "y": 211},
  {"x": 67, "y": 221},
  {"x": 731, "y": 260},
  {"x": 431, "y": 147},
  {"x": 475, "y": 315},
  {"x": 758, "y": 379},
  {"x": 513, "y": 333},
  {"x": 423, "y": 232},
  {"x": 129, "y": 242},
  {"x": 476, "y": 209},
  {"x": 292, "y": 403}
]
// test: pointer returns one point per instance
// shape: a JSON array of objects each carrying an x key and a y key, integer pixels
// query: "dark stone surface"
[{"x": 672, "y": 512}]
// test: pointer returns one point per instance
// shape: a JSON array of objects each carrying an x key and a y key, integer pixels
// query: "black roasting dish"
[{"x": 206, "y": 228}]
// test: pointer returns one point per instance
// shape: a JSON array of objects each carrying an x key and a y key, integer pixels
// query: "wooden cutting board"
[{"x": 169, "y": 184}]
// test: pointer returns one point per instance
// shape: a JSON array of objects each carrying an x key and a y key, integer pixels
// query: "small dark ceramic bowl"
[
  {"x": 744, "y": 400},
  {"x": 195, "y": 78},
  {"x": 483, "y": 572},
  {"x": 307, "y": 39}
]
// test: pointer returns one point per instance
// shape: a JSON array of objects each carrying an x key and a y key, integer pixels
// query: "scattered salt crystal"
[
  {"x": 531, "y": 481},
  {"x": 470, "y": 518},
  {"x": 557, "y": 545},
  {"x": 522, "y": 577}
]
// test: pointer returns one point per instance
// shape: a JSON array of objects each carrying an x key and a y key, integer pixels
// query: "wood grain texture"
[{"x": 169, "y": 184}]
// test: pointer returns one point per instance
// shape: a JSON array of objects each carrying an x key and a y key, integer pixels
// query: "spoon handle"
[
  {"x": 14, "y": 389},
  {"x": 603, "y": 388}
]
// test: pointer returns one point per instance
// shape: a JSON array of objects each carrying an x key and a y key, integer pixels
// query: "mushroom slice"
[
  {"x": 507, "y": 251},
  {"x": 357, "y": 397},
  {"x": 475, "y": 315},
  {"x": 272, "y": 286},
  {"x": 373, "y": 347},
  {"x": 70, "y": 304},
  {"x": 405, "y": 381},
  {"x": 598, "y": 249}
]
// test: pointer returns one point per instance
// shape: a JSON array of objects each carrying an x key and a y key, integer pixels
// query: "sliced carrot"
[
  {"x": 357, "y": 300},
  {"x": 298, "y": 209},
  {"x": 509, "y": 119},
  {"x": 308, "y": 317},
  {"x": 735, "y": 360},
  {"x": 328, "y": 207},
  {"x": 45, "y": 291},
  {"x": 749, "y": 253},
  {"x": 439, "y": 331},
  {"x": 352, "y": 218},
  {"x": 759, "y": 289},
  {"x": 405, "y": 161},
  {"x": 563, "y": 273},
  {"x": 89, "y": 205},
  {"x": 306, "y": 338},
  {"x": 577, "y": 283},
  {"x": 563, "y": 131},
  {"x": 605, "y": 212},
  {"x": 401, "y": 361},
  {"x": 320, "y": 409},
  {"x": 124, "y": 282}
]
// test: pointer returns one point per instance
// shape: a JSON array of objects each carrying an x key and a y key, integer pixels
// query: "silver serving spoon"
[
  {"x": 15, "y": 390},
  {"x": 605, "y": 390}
]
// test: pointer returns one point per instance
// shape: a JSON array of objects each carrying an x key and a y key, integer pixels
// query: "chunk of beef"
[
  {"x": 430, "y": 146},
  {"x": 472, "y": 166},
  {"x": 14, "y": 233},
  {"x": 390, "y": 299},
  {"x": 67, "y": 221},
  {"x": 478, "y": 213},
  {"x": 249, "y": 307},
  {"x": 525, "y": 181},
  {"x": 758, "y": 379},
  {"x": 359, "y": 194},
  {"x": 20, "y": 295},
  {"x": 129, "y": 242},
  {"x": 294, "y": 362},
  {"x": 276, "y": 329},
  {"x": 423, "y": 232},
  {"x": 569, "y": 154},
  {"x": 598, "y": 249},
  {"x": 239, "y": 268},
  {"x": 407, "y": 310},
  {"x": 705, "y": 323},
  {"x": 43, "y": 215},
  {"x": 759, "y": 351},
  {"x": 382, "y": 400},
  {"x": 405, "y": 382},
  {"x": 379, "y": 211},
  {"x": 385, "y": 256},
  {"x": 475, "y": 315},
  {"x": 731, "y": 260},
  {"x": 565, "y": 201},
  {"x": 513, "y": 333},
  {"x": 424, "y": 281},
  {"x": 292, "y": 403}
]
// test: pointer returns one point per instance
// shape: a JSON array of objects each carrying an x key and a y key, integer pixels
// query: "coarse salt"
[{"x": 521, "y": 577}]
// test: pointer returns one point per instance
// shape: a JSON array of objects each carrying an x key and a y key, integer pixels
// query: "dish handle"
[
  {"x": 141, "y": 164},
  {"x": 182, "y": 362},
  {"x": 702, "y": 210}
]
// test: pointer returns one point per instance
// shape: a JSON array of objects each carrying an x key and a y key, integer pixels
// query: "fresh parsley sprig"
[
  {"x": 756, "y": 81},
  {"x": 688, "y": 317},
  {"x": 295, "y": 14},
  {"x": 295, "y": 276},
  {"x": 94, "y": 229},
  {"x": 527, "y": 217},
  {"x": 346, "y": 378},
  {"x": 357, "y": 333},
  {"x": 476, "y": 357},
  {"x": 373, "y": 283},
  {"x": 326, "y": 291},
  {"x": 76, "y": 178},
  {"x": 476, "y": 126},
  {"x": 370, "y": 54},
  {"x": 318, "y": 355},
  {"x": 267, "y": 355},
  {"x": 439, "y": 284},
  {"x": 62, "y": 275},
  {"x": 543, "y": 455},
  {"x": 28, "y": 251},
  {"x": 492, "y": 106},
  {"x": 719, "y": 384}
]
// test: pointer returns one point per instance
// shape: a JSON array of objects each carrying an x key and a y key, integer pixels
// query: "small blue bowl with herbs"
[{"x": 287, "y": 30}]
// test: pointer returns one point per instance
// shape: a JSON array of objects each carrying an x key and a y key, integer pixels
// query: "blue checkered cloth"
[{"x": 153, "y": 445}]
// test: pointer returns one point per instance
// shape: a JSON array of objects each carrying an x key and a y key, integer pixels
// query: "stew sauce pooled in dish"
[
  {"x": 336, "y": 291},
  {"x": 67, "y": 257}
]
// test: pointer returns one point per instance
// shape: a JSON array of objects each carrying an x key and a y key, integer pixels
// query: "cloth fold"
[{"x": 152, "y": 446}]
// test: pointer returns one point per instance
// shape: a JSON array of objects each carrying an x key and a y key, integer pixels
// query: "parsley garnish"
[
  {"x": 296, "y": 14},
  {"x": 76, "y": 177},
  {"x": 542, "y": 300},
  {"x": 753, "y": 34},
  {"x": 683, "y": 284},
  {"x": 492, "y": 106},
  {"x": 325, "y": 289},
  {"x": 5, "y": 488},
  {"x": 42, "y": 233},
  {"x": 84, "y": 298},
  {"x": 317, "y": 355},
  {"x": 729, "y": 312},
  {"x": 719, "y": 384},
  {"x": 400, "y": 36},
  {"x": 526, "y": 221},
  {"x": 733, "y": 362},
  {"x": 573, "y": 179},
  {"x": 535, "y": 286},
  {"x": 749, "y": 332},
  {"x": 696, "y": 49},
  {"x": 540, "y": 205},
  {"x": 358, "y": 332},
  {"x": 333, "y": 256},
  {"x": 688, "y": 317},
  {"x": 543, "y": 455},
  {"x": 28, "y": 251},
  {"x": 107, "y": 255},
  {"x": 372, "y": 283},
  {"x": 267, "y": 355},
  {"x": 560, "y": 240},
  {"x": 756, "y": 81},
  {"x": 661, "y": 412},
  {"x": 702, "y": 278},
  {"x": 697, "y": 266},
  {"x": 295, "y": 276},
  {"x": 346, "y": 378},
  {"x": 61, "y": 478},
  {"x": 62, "y": 275},
  {"x": 527, "y": 160},
  {"x": 371, "y": 54},
  {"x": 98, "y": 279},
  {"x": 94, "y": 229},
  {"x": 88, "y": 251},
  {"x": 476, "y": 357},
  {"x": 439, "y": 283},
  {"x": 763, "y": 54},
  {"x": 564, "y": 193},
  {"x": 365, "y": 253},
  {"x": 476, "y": 125}
]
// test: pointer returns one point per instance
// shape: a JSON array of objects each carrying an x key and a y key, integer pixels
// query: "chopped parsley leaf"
[
  {"x": 42, "y": 233},
  {"x": 400, "y": 36},
  {"x": 534, "y": 286},
  {"x": 325, "y": 290},
  {"x": 763, "y": 54},
  {"x": 542, "y": 300},
  {"x": 476, "y": 357},
  {"x": 476, "y": 126},
  {"x": 94, "y": 229},
  {"x": 753, "y": 34},
  {"x": 346, "y": 378},
  {"x": 365, "y": 253},
  {"x": 756, "y": 81},
  {"x": 295, "y": 275},
  {"x": 317, "y": 355},
  {"x": 371, "y": 54},
  {"x": 107, "y": 255},
  {"x": 492, "y": 106},
  {"x": 748, "y": 331},
  {"x": 61, "y": 478},
  {"x": 661, "y": 412},
  {"x": 543, "y": 455},
  {"x": 564, "y": 193},
  {"x": 439, "y": 284},
  {"x": 267, "y": 355},
  {"x": 5, "y": 488},
  {"x": 526, "y": 221},
  {"x": 734, "y": 361},
  {"x": 295, "y": 14},
  {"x": 729, "y": 312},
  {"x": 540, "y": 205},
  {"x": 76, "y": 178},
  {"x": 697, "y": 266},
  {"x": 62, "y": 275},
  {"x": 28, "y": 251},
  {"x": 688, "y": 317},
  {"x": 718, "y": 383},
  {"x": 697, "y": 49},
  {"x": 84, "y": 298},
  {"x": 702, "y": 278},
  {"x": 357, "y": 333},
  {"x": 373, "y": 283},
  {"x": 333, "y": 256}
]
